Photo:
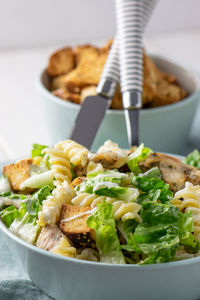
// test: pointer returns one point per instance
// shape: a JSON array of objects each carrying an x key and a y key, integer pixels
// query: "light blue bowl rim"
[{"x": 165, "y": 108}]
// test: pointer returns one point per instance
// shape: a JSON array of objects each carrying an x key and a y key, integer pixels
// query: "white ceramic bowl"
[
  {"x": 164, "y": 129},
  {"x": 72, "y": 279}
]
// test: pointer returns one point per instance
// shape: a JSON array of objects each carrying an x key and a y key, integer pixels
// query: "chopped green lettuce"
[
  {"x": 26, "y": 227},
  {"x": 127, "y": 228},
  {"x": 23, "y": 221},
  {"x": 8, "y": 215},
  {"x": 162, "y": 229},
  {"x": 34, "y": 204},
  {"x": 110, "y": 176},
  {"x": 37, "y": 150},
  {"x": 110, "y": 189},
  {"x": 4, "y": 184},
  {"x": 103, "y": 222},
  {"x": 108, "y": 184},
  {"x": 193, "y": 159},
  {"x": 39, "y": 180},
  {"x": 137, "y": 156},
  {"x": 152, "y": 188}
]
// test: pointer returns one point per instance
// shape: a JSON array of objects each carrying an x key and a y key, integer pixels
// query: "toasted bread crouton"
[
  {"x": 117, "y": 100},
  {"x": 58, "y": 82},
  {"x": 85, "y": 51},
  {"x": 76, "y": 229},
  {"x": 150, "y": 75},
  {"x": 52, "y": 239},
  {"x": 167, "y": 93},
  {"x": 88, "y": 72},
  {"x": 107, "y": 46},
  {"x": 18, "y": 173},
  {"x": 76, "y": 181},
  {"x": 65, "y": 95},
  {"x": 88, "y": 91},
  {"x": 61, "y": 62}
]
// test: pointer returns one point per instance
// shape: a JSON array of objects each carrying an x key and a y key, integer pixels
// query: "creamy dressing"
[
  {"x": 78, "y": 215},
  {"x": 110, "y": 175},
  {"x": 6, "y": 201},
  {"x": 4, "y": 185},
  {"x": 104, "y": 184}
]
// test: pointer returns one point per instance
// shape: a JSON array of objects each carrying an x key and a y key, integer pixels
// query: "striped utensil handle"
[
  {"x": 130, "y": 30},
  {"x": 111, "y": 69},
  {"x": 129, "y": 15}
]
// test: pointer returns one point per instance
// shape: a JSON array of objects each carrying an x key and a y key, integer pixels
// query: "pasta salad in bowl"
[{"x": 110, "y": 208}]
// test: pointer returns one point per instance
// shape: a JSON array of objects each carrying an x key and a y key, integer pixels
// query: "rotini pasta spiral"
[
  {"x": 88, "y": 254},
  {"x": 64, "y": 248},
  {"x": 59, "y": 164},
  {"x": 94, "y": 167},
  {"x": 188, "y": 199},
  {"x": 122, "y": 210},
  {"x": 75, "y": 153},
  {"x": 51, "y": 207}
]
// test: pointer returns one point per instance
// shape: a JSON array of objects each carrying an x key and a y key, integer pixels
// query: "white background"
[
  {"x": 30, "y": 30},
  {"x": 26, "y": 23}
]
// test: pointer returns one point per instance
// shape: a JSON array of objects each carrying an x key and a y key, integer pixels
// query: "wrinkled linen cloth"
[{"x": 14, "y": 284}]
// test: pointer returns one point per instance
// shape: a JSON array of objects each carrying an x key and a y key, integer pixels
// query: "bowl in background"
[{"x": 164, "y": 129}]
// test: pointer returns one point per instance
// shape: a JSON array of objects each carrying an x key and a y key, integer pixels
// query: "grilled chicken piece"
[
  {"x": 52, "y": 239},
  {"x": 174, "y": 172}
]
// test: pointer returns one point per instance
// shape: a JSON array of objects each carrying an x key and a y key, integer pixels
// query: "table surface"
[{"x": 22, "y": 121}]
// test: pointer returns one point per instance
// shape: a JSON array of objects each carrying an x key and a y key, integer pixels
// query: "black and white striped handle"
[{"x": 110, "y": 76}]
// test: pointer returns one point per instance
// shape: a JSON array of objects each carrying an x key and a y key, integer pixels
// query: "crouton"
[
  {"x": 65, "y": 95},
  {"x": 76, "y": 181},
  {"x": 52, "y": 239},
  {"x": 76, "y": 229},
  {"x": 61, "y": 62},
  {"x": 88, "y": 91},
  {"x": 167, "y": 93},
  {"x": 85, "y": 51},
  {"x": 18, "y": 173},
  {"x": 88, "y": 72},
  {"x": 107, "y": 46},
  {"x": 117, "y": 100},
  {"x": 58, "y": 82}
]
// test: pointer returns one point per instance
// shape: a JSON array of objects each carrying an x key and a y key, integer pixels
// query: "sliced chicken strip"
[{"x": 174, "y": 171}]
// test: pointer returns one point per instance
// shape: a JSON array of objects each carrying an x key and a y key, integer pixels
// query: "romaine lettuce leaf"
[
  {"x": 112, "y": 190},
  {"x": 39, "y": 180},
  {"x": 158, "y": 213},
  {"x": 163, "y": 228},
  {"x": 152, "y": 189},
  {"x": 4, "y": 184},
  {"x": 8, "y": 215},
  {"x": 110, "y": 176},
  {"x": 26, "y": 227},
  {"x": 34, "y": 204},
  {"x": 193, "y": 159},
  {"x": 37, "y": 150},
  {"x": 103, "y": 222},
  {"x": 127, "y": 228},
  {"x": 23, "y": 221},
  {"x": 138, "y": 155}
]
